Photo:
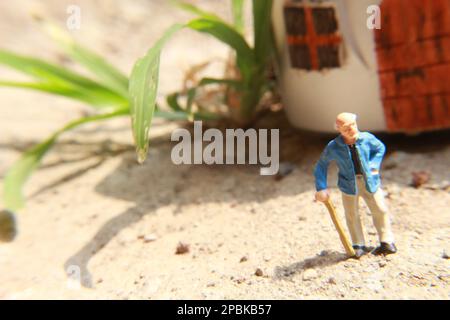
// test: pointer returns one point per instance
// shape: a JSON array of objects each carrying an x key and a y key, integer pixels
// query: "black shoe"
[
  {"x": 385, "y": 249},
  {"x": 360, "y": 251},
  {"x": 368, "y": 249}
]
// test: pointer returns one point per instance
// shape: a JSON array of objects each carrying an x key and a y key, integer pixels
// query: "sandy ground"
[{"x": 93, "y": 211}]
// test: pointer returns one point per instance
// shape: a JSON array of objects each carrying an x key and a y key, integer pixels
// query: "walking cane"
[{"x": 340, "y": 230}]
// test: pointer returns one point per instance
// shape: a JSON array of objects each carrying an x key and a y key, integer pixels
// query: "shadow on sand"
[
  {"x": 158, "y": 183},
  {"x": 320, "y": 261}
]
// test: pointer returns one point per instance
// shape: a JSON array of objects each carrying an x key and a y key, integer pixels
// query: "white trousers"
[{"x": 378, "y": 208}]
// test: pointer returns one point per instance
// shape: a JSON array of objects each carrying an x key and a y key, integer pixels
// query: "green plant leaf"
[
  {"x": 190, "y": 99},
  {"x": 93, "y": 96},
  {"x": 230, "y": 82},
  {"x": 143, "y": 87},
  {"x": 172, "y": 101},
  {"x": 262, "y": 29},
  {"x": 232, "y": 35},
  {"x": 18, "y": 174},
  {"x": 222, "y": 30},
  {"x": 237, "y": 7},
  {"x": 42, "y": 70},
  {"x": 195, "y": 10},
  {"x": 55, "y": 79},
  {"x": 177, "y": 115},
  {"x": 108, "y": 75},
  {"x": 256, "y": 78},
  {"x": 226, "y": 34},
  {"x": 181, "y": 115}
]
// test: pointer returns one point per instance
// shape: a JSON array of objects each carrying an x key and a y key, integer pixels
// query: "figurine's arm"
[
  {"x": 321, "y": 170},
  {"x": 377, "y": 152}
]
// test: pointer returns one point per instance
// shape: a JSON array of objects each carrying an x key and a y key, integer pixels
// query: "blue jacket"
[{"x": 370, "y": 151}]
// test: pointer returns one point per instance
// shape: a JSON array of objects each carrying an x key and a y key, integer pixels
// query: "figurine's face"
[{"x": 348, "y": 129}]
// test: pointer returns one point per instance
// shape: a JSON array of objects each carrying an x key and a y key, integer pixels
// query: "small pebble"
[
  {"x": 309, "y": 274},
  {"x": 243, "y": 259},
  {"x": 324, "y": 253},
  {"x": 420, "y": 178},
  {"x": 149, "y": 238},
  {"x": 182, "y": 248},
  {"x": 259, "y": 272},
  {"x": 240, "y": 280}
]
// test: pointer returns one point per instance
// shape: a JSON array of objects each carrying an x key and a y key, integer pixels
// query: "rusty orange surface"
[{"x": 413, "y": 53}]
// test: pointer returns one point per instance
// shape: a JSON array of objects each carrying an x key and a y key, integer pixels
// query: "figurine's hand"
[
  {"x": 322, "y": 195},
  {"x": 374, "y": 171}
]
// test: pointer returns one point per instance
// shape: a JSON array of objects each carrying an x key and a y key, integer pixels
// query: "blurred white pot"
[{"x": 394, "y": 77}]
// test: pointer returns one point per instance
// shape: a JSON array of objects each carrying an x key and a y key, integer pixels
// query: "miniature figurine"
[{"x": 358, "y": 156}]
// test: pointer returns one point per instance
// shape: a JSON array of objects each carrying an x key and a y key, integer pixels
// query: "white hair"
[{"x": 351, "y": 116}]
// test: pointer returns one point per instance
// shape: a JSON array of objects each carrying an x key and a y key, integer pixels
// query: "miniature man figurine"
[{"x": 358, "y": 156}]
